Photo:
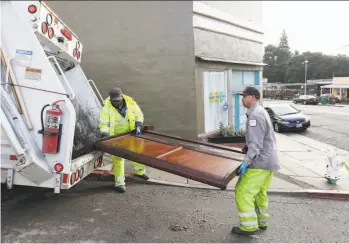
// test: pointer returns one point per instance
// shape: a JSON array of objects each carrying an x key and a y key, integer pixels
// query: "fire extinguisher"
[{"x": 51, "y": 131}]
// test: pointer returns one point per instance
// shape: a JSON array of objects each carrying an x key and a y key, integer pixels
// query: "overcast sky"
[{"x": 310, "y": 25}]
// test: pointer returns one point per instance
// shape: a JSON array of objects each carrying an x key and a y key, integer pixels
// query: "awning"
[
  {"x": 208, "y": 163},
  {"x": 229, "y": 61},
  {"x": 336, "y": 86}
]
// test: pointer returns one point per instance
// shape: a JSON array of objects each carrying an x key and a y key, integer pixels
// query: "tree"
[
  {"x": 283, "y": 54},
  {"x": 270, "y": 59},
  {"x": 283, "y": 44},
  {"x": 286, "y": 67}
]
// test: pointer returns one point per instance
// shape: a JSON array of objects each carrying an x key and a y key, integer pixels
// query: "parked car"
[
  {"x": 286, "y": 118},
  {"x": 306, "y": 99}
]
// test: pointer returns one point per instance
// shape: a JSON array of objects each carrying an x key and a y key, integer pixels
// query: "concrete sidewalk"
[{"x": 303, "y": 166}]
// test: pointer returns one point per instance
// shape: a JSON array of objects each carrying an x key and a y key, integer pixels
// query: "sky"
[{"x": 316, "y": 26}]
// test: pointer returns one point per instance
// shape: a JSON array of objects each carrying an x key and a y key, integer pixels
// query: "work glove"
[
  {"x": 138, "y": 130},
  {"x": 242, "y": 168},
  {"x": 245, "y": 149}
]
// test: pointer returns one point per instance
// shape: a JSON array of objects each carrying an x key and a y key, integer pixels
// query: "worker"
[
  {"x": 121, "y": 114},
  {"x": 257, "y": 169}
]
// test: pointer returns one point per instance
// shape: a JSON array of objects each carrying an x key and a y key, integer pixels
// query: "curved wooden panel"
[{"x": 206, "y": 166}]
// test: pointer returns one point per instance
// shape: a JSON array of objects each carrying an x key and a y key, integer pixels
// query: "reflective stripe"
[
  {"x": 139, "y": 114},
  {"x": 105, "y": 131},
  {"x": 264, "y": 220},
  {"x": 139, "y": 121},
  {"x": 262, "y": 210},
  {"x": 119, "y": 178},
  {"x": 118, "y": 123},
  {"x": 104, "y": 123},
  {"x": 249, "y": 223},
  {"x": 253, "y": 213},
  {"x": 139, "y": 168},
  {"x": 116, "y": 184}
]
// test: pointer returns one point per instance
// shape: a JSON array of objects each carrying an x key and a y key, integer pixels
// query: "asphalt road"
[
  {"x": 92, "y": 212},
  {"x": 329, "y": 124}
]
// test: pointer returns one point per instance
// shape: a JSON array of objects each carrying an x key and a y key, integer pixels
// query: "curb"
[{"x": 305, "y": 193}]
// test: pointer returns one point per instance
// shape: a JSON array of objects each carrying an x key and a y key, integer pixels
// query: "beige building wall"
[{"x": 340, "y": 81}]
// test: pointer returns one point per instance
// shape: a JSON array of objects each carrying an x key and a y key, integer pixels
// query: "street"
[
  {"x": 329, "y": 124},
  {"x": 92, "y": 212}
]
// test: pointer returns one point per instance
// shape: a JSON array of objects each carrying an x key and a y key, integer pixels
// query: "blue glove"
[
  {"x": 138, "y": 130},
  {"x": 242, "y": 168}
]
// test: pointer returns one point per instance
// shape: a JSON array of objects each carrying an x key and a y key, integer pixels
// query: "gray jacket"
[{"x": 260, "y": 139}]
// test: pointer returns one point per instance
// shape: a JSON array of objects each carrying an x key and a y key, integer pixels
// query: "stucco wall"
[
  {"x": 224, "y": 47},
  {"x": 146, "y": 48},
  {"x": 222, "y": 35},
  {"x": 248, "y": 10}
]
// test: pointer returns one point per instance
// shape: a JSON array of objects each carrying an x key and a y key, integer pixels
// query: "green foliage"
[{"x": 228, "y": 131}]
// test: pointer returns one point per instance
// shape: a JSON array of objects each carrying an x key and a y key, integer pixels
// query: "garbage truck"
[
  {"x": 50, "y": 113},
  {"x": 49, "y": 109}
]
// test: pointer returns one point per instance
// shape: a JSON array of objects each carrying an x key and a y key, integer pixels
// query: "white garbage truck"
[{"x": 49, "y": 109}]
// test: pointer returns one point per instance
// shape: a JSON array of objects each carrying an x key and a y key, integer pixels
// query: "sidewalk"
[{"x": 303, "y": 166}]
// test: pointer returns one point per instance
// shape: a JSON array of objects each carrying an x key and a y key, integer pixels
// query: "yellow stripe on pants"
[
  {"x": 251, "y": 198},
  {"x": 119, "y": 170}
]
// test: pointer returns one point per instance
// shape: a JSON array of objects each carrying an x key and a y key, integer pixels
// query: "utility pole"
[{"x": 306, "y": 67}]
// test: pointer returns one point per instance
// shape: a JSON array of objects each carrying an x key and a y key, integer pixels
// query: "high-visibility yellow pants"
[
  {"x": 251, "y": 198},
  {"x": 119, "y": 170}
]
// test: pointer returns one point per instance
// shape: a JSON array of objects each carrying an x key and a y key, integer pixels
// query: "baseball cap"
[
  {"x": 251, "y": 91},
  {"x": 115, "y": 92}
]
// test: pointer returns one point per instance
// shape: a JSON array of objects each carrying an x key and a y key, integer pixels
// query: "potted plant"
[{"x": 227, "y": 134}]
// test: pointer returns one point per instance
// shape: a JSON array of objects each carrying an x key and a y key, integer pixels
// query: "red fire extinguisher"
[{"x": 51, "y": 131}]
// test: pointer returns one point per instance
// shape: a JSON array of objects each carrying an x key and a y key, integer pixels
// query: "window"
[
  {"x": 284, "y": 110},
  {"x": 215, "y": 100}
]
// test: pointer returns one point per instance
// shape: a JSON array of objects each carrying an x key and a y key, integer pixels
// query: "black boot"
[
  {"x": 120, "y": 189},
  {"x": 143, "y": 176},
  {"x": 239, "y": 231}
]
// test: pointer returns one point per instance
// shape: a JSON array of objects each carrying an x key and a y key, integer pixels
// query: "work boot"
[
  {"x": 239, "y": 231},
  {"x": 120, "y": 189},
  {"x": 143, "y": 176},
  {"x": 263, "y": 227}
]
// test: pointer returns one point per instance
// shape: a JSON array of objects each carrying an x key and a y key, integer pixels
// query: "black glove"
[
  {"x": 104, "y": 135},
  {"x": 245, "y": 149}
]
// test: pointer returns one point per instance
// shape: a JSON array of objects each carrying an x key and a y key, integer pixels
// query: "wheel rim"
[
  {"x": 305, "y": 102},
  {"x": 276, "y": 127}
]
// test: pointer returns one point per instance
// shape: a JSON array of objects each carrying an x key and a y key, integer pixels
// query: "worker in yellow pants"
[
  {"x": 121, "y": 114},
  {"x": 257, "y": 169},
  {"x": 252, "y": 200},
  {"x": 119, "y": 170}
]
